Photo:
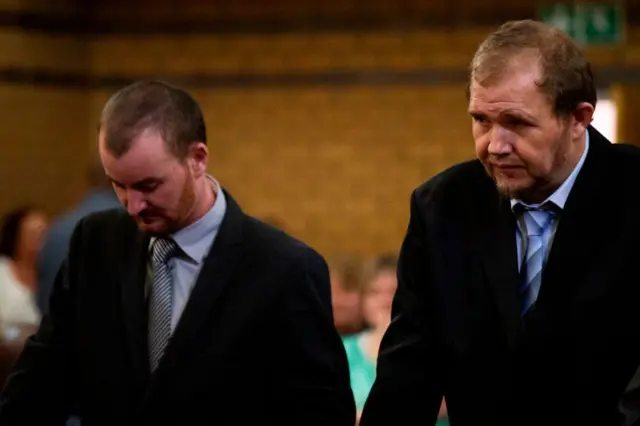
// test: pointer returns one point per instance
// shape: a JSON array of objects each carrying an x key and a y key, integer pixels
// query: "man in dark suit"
[
  {"x": 184, "y": 311},
  {"x": 518, "y": 282},
  {"x": 54, "y": 246}
]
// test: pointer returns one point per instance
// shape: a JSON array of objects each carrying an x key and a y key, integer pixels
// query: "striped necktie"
[
  {"x": 536, "y": 223},
  {"x": 160, "y": 300}
]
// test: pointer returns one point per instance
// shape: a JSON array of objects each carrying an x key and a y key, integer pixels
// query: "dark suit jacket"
[
  {"x": 457, "y": 331},
  {"x": 255, "y": 345},
  {"x": 630, "y": 402}
]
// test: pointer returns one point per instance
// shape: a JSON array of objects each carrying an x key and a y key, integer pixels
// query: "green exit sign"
[{"x": 588, "y": 23}]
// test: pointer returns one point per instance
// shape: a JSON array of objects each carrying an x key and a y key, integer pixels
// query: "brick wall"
[
  {"x": 335, "y": 165},
  {"x": 43, "y": 129}
]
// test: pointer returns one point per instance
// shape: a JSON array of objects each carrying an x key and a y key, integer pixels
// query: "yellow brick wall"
[
  {"x": 43, "y": 150},
  {"x": 43, "y": 146},
  {"x": 336, "y": 166}
]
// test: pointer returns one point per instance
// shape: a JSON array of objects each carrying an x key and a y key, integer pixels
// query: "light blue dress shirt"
[
  {"x": 195, "y": 241},
  {"x": 559, "y": 198}
]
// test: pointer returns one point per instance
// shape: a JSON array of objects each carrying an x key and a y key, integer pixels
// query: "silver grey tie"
[{"x": 160, "y": 300}]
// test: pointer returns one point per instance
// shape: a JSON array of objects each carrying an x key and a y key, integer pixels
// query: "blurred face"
[
  {"x": 345, "y": 304},
  {"x": 32, "y": 230},
  {"x": 158, "y": 189},
  {"x": 377, "y": 299},
  {"x": 523, "y": 145}
]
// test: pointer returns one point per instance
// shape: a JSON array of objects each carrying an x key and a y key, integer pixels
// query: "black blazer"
[
  {"x": 255, "y": 344},
  {"x": 456, "y": 328}
]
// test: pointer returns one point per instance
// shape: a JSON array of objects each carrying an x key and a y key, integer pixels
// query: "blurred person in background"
[
  {"x": 344, "y": 272},
  {"x": 518, "y": 280},
  {"x": 56, "y": 242},
  {"x": 379, "y": 284},
  {"x": 181, "y": 308},
  {"x": 21, "y": 235}
]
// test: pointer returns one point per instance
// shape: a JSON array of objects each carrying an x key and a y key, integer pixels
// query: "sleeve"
[
  {"x": 314, "y": 384},
  {"x": 40, "y": 387},
  {"x": 408, "y": 383}
]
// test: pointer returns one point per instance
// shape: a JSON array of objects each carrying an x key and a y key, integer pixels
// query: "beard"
[
  {"x": 162, "y": 223},
  {"x": 535, "y": 184}
]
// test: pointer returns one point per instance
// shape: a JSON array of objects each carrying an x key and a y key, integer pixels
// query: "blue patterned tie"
[
  {"x": 536, "y": 223},
  {"x": 160, "y": 300}
]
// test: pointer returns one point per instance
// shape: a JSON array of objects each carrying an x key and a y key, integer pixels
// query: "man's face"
[
  {"x": 156, "y": 188},
  {"x": 520, "y": 141}
]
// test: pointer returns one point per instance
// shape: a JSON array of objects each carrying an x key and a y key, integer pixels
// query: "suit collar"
[
  {"x": 196, "y": 239},
  {"x": 584, "y": 225},
  {"x": 214, "y": 276},
  {"x": 133, "y": 271},
  {"x": 577, "y": 238}
]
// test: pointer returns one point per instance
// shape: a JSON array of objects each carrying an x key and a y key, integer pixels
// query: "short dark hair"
[
  {"x": 152, "y": 105},
  {"x": 566, "y": 78},
  {"x": 10, "y": 230}
]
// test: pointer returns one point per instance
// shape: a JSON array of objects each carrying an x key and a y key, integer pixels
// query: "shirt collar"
[
  {"x": 560, "y": 195},
  {"x": 196, "y": 239}
]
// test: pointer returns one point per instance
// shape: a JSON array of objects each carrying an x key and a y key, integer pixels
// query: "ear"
[
  {"x": 581, "y": 119},
  {"x": 198, "y": 158}
]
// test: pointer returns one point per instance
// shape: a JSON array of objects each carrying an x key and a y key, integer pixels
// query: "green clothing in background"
[{"x": 363, "y": 372}]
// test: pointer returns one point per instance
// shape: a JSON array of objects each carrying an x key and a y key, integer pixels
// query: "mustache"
[{"x": 148, "y": 213}]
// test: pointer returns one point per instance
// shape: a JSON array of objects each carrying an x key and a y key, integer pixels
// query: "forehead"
[
  {"x": 516, "y": 90},
  {"x": 147, "y": 157},
  {"x": 34, "y": 219}
]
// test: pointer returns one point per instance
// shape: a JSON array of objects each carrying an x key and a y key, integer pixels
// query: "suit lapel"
[
  {"x": 133, "y": 275},
  {"x": 585, "y": 223},
  {"x": 212, "y": 279},
  {"x": 497, "y": 246}
]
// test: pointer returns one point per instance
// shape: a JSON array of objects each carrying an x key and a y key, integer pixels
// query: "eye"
[
  {"x": 514, "y": 121},
  {"x": 149, "y": 187},
  {"x": 480, "y": 119}
]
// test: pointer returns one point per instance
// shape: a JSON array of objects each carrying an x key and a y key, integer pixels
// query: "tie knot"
[
  {"x": 163, "y": 250},
  {"x": 537, "y": 220}
]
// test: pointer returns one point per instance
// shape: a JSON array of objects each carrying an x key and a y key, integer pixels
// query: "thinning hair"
[
  {"x": 152, "y": 105},
  {"x": 565, "y": 74}
]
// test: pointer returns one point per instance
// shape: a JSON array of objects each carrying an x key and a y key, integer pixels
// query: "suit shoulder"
[
  {"x": 626, "y": 156},
  {"x": 107, "y": 223},
  {"x": 458, "y": 182},
  {"x": 276, "y": 244}
]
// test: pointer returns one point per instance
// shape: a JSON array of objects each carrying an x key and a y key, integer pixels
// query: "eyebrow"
[
  {"x": 506, "y": 113},
  {"x": 517, "y": 113},
  {"x": 142, "y": 182}
]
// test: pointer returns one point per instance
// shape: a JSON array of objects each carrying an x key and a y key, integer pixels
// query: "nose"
[
  {"x": 501, "y": 142},
  {"x": 135, "y": 202}
]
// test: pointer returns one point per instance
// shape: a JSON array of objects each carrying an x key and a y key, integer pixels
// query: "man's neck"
[
  {"x": 572, "y": 158},
  {"x": 205, "y": 199}
]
